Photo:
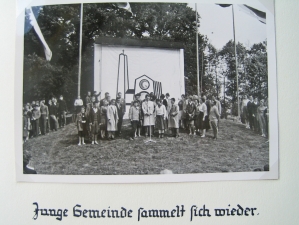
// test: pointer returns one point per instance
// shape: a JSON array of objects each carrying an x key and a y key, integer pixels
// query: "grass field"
[{"x": 236, "y": 150}]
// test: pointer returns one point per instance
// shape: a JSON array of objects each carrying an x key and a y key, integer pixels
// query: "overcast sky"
[{"x": 216, "y": 22}]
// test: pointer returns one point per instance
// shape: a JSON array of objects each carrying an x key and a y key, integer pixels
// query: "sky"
[{"x": 217, "y": 24}]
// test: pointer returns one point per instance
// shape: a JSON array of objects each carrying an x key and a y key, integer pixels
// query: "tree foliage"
[{"x": 60, "y": 25}]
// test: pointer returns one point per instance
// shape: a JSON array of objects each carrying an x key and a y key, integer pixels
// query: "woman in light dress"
[
  {"x": 112, "y": 119},
  {"x": 148, "y": 112}
]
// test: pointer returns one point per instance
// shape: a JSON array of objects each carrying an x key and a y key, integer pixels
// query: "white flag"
[{"x": 34, "y": 24}]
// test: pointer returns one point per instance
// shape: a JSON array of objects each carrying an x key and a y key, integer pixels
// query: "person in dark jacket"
[
  {"x": 121, "y": 109},
  {"x": 250, "y": 111}
]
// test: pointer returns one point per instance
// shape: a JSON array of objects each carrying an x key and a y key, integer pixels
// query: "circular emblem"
[{"x": 144, "y": 84}]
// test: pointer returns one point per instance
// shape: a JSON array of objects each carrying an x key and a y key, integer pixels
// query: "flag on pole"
[
  {"x": 260, "y": 15},
  {"x": 34, "y": 24},
  {"x": 125, "y": 5}
]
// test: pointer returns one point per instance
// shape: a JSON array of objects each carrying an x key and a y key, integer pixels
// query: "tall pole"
[
  {"x": 197, "y": 62},
  {"x": 236, "y": 62},
  {"x": 202, "y": 71},
  {"x": 80, "y": 50}
]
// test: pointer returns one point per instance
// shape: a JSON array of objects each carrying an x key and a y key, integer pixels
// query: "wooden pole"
[
  {"x": 197, "y": 62},
  {"x": 80, "y": 50},
  {"x": 236, "y": 64}
]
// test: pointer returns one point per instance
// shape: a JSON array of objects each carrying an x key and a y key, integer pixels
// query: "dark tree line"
[{"x": 60, "y": 25}]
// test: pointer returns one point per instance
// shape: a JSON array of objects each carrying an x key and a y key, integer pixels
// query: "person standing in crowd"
[
  {"x": 78, "y": 105},
  {"x": 26, "y": 123},
  {"x": 196, "y": 117},
  {"x": 190, "y": 112},
  {"x": 134, "y": 116},
  {"x": 250, "y": 111},
  {"x": 39, "y": 120},
  {"x": 160, "y": 114},
  {"x": 88, "y": 98},
  {"x": 137, "y": 98},
  {"x": 103, "y": 127},
  {"x": 261, "y": 117},
  {"x": 94, "y": 94},
  {"x": 112, "y": 119},
  {"x": 206, "y": 125},
  {"x": 148, "y": 115},
  {"x": 202, "y": 115},
  {"x": 214, "y": 118},
  {"x": 207, "y": 120},
  {"x": 94, "y": 122},
  {"x": 121, "y": 107},
  {"x": 218, "y": 104},
  {"x": 62, "y": 109},
  {"x": 106, "y": 98},
  {"x": 173, "y": 121},
  {"x": 56, "y": 106},
  {"x": 120, "y": 112},
  {"x": 35, "y": 120},
  {"x": 44, "y": 116},
  {"x": 244, "y": 112},
  {"x": 255, "y": 122},
  {"x": 181, "y": 104},
  {"x": 49, "y": 125},
  {"x": 81, "y": 125},
  {"x": 164, "y": 101},
  {"x": 53, "y": 115}
]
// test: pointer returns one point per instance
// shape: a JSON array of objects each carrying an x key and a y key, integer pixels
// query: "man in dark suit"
[
  {"x": 120, "y": 111},
  {"x": 250, "y": 110}
]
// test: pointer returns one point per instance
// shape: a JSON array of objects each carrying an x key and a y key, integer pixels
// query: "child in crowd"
[
  {"x": 160, "y": 117},
  {"x": 103, "y": 126},
  {"x": 134, "y": 116},
  {"x": 94, "y": 122},
  {"x": 81, "y": 125},
  {"x": 112, "y": 119}
]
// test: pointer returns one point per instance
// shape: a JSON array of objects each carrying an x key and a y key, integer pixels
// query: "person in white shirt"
[{"x": 148, "y": 112}]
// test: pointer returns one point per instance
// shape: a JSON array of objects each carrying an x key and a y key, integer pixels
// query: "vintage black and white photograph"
[{"x": 133, "y": 88}]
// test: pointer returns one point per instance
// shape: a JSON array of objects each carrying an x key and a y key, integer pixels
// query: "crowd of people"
[
  {"x": 104, "y": 117},
  {"x": 40, "y": 118},
  {"x": 255, "y": 114},
  {"x": 149, "y": 117}
]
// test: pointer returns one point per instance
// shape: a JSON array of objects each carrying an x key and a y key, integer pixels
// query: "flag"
[
  {"x": 157, "y": 89},
  {"x": 125, "y": 5},
  {"x": 260, "y": 15},
  {"x": 34, "y": 24}
]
